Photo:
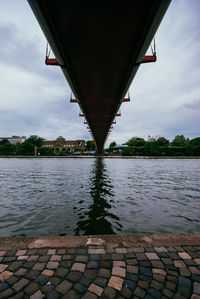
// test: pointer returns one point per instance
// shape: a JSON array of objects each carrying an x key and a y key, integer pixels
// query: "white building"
[{"x": 14, "y": 139}]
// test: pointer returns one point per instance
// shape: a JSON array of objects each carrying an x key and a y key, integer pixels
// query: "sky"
[{"x": 165, "y": 96}]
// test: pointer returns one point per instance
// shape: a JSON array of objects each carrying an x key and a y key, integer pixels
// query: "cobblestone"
[{"x": 94, "y": 272}]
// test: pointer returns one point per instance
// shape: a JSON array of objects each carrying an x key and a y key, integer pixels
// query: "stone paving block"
[
  {"x": 115, "y": 282},
  {"x": 52, "y": 265},
  {"x": 31, "y": 252},
  {"x": 3, "y": 267},
  {"x": 184, "y": 272},
  {"x": 95, "y": 289},
  {"x": 19, "y": 295},
  {"x": 145, "y": 271},
  {"x": 196, "y": 288},
  {"x": 154, "y": 293},
  {"x": 126, "y": 293},
  {"x": 39, "y": 266},
  {"x": 89, "y": 295},
  {"x": 141, "y": 256},
  {"x": 157, "y": 264},
  {"x": 83, "y": 252},
  {"x": 5, "y": 275},
  {"x": 94, "y": 257},
  {"x": 13, "y": 279},
  {"x": 72, "y": 294},
  {"x": 160, "y": 249},
  {"x": 86, "y": 281},
  {"x": 194, "y": 296},
  {"x": 152, "y": 256},
  {"x": 61, "y": 272},
  {"x": 53, "y": 295},
  {"x": 3, "y": 286},
  {"x": 67, "y": 257},
  {"x": 97, "y": 251},
  {"x": 121, "y": 250},
  {"x": 2, "y": 252},
  {"x": 194, "y": 270},
  {"x": 143, "y": 284},
  {"x": 74, "y": 276},
  {"x": 81, "y": 258},
  {"x": 47, "y": 273},
  {"x": 9, "y": 259},
  {"x": 6, "y": 293},
  {"x": 117, "y": 256},
  {"x": 167, "y": 261},
  {"x": 131, "y": 276},
  {"x": 41, "y": 279},
  {"x": 159, "y": 271},
  {"x": 65, "y": 264},
  {"x": 190, "y": 263},
  {"x": 179, "y": 264},
  {"x": 56, "y": 258},
  {"x": 73, "y": 250},
  {"x": 170, "y": 286},
  {"x": 184, "y": 291},
  {"x": 109, "y": 293},
  {"x": 105, "y": 264},
  {"x": 93, "y": 265},
  {"x": 28, "y": 265},
  {"x": 118, "y": 271},
  {"x": 21, "y": 252},
  {"x": 139, "y": 292},
  {"x": 184, "y": 255},
  {"x": 185, "y": 282},
  {"x": 81, "y": 289},
  {"x": 21, "y": 272},
  {"x": 47, "y": 289},
  {"x": 37, "y": 295},
  {"x": 130, "y": 284},
  {"x": 51, "y": 252},
  {"x": 14, "y": 266},
  {"x": 104, "y": 273},
  {"x": 78, "y": 267},
  {"x": 64, "y": 286},
  {"x": 132, "y": 269},
  {"x": 22, "y": 257},
  {"x": 156, "y": 285},
  {"x": 197, "y": 261},
  {"x": 145, "y": 278},
  {"x": 55, "y": 280},
  {"x": 43, "y": 258},
  {"x": 100, "y": 281},
  {"x": 168, "y": 293},
  {"x": 61, "y": 251},
  {"x": 135, "y": 249},
  {"x": 132, "y": 262},
  {"x": 20, "y": 284},
  {"x": 119, "y": 264},
  {"x": 31, "y": 288},
  {"x": 159, "y": 277},
  {"x": 31, "y": 274},
  {"x": 91, "y": 274}
]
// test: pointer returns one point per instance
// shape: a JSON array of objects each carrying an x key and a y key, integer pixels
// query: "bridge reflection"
[{"x": 99, "y": 219}]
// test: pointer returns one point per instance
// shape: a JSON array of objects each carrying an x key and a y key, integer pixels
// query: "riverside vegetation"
[{"x": 136, "y": 146}]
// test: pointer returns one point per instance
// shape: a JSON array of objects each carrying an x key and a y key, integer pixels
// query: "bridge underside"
[{"x": 100, "y": 45}]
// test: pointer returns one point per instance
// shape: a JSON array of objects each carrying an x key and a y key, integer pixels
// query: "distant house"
[
  {"x": 60, "y": 142},
  {"x": 153, "y": 138},
  {"x": 14, "y": 139}
]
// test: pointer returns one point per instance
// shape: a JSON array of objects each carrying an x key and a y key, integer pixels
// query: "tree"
[
  {"x": 36, "y": 141},
  {"x": 112, "y": 144},
  {"x": 179, "y": 140},
  {"x": 4, "y": 141},
  {"x": 136, "y": 141},
  {"x": 195, "y": 141},
  {"x": 90, "y": 145},
  {"x": 162, "y": 141}
]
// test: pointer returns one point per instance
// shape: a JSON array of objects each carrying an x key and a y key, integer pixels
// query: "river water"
[{"x": 98, "y": 196}]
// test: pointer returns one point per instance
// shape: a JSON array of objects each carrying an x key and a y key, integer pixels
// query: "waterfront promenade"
[{"x": 103, "y": 266}]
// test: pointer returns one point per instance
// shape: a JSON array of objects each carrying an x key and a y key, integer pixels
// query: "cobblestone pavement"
[{"x": 91, "y": 272}]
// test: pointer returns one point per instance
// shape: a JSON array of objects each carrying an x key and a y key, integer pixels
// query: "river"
[{"x": 62, "y": 196}]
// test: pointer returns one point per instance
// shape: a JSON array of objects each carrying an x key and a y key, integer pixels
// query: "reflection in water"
[{"x": 98, "y": 219}]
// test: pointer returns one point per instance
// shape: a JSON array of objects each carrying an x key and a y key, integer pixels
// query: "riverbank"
[
  {"x": 107, "y": 157},
  {"x": 101, "y": 266}
]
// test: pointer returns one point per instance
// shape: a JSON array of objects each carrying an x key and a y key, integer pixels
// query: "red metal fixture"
[
  {"x": 149, "y": 58},
  {"x": 51, "y": 61},
  {"x": 114, "y": 122},
  {"x": 118, "y": 114},
  {"x": 81, "y": 114},
  {"x": 85, "y": 122},
  {"x": 73, "y": 101},
  {"x": 126, "y": 100}
]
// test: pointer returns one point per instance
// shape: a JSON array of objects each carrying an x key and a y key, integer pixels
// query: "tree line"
[
  {"x": 33, "y": 146},
  {"x": 180, "y": 146}
]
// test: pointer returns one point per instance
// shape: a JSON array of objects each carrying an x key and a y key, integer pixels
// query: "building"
[
  {"x": 14, "y": 139},
  {"x": 60, "y": 142},
  {"x": 153, "y": 138}
]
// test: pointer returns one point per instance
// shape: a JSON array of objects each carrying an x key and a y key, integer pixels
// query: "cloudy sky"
[{"x": 165, "y": 96}]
